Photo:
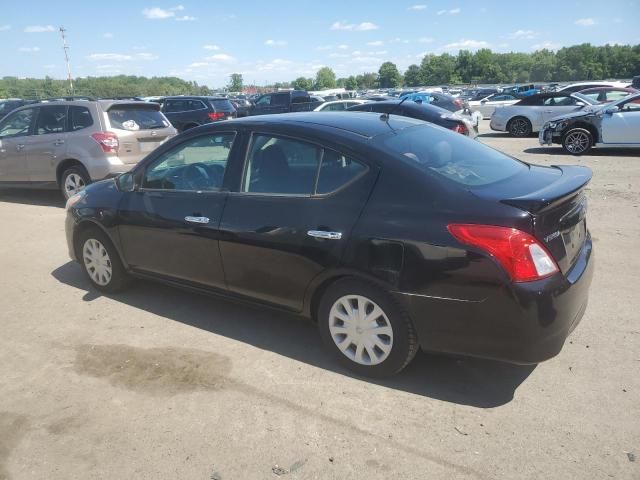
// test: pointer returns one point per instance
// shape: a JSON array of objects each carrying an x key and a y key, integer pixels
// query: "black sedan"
[
  {"x": 390, "y": 233},
  {"x": 420, "y": 111}
]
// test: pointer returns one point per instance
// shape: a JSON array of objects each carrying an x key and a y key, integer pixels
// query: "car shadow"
[
  {"x": 43, "y": 198},
  {"x": 595, "y": 152},
  {"x": 465, "y": 381}
]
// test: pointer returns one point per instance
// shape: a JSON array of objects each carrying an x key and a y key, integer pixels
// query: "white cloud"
[
  {"x": 145, "y": 56},
  {"x": 358, "y": 27},
  {"x": 377, "y": 43},
  {"x": 525, "y": 34},
  {"x": 380, "y": 52},
  {"x": 399, "y": 40},
  {"x": 198, "y": 65},
  {"x": 276, "y": 43},
  {"x": 466, "y": 45},
  {"x": 185, "y": 18},
  {"x": 338, "y": 55},
  {"x": 324, "y": 47},
  {"x": 220, "y": 57},
  {"x": 121, "y": 57},
  {"x": 107, "y": 35},
  {"x": 156, "y": 13},
  {"x": 29, "y": 49},
  {"x": 453, "y": 11},
  {"x": 211, "y": 47},
  {"x": 585, "y": 22},
  {"x": 418, "y": 7},
  {"x": 4, "y": 28},
  {"x": 545, "y": 45},
  {"x": 425, "y": 40},
  {"x": 343, "y": 47},
  {"x": 39, "y": 28}
]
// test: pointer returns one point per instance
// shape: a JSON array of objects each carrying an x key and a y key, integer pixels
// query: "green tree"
[
  {"x": 302, "y": 83},
  {"x": 325, "y": 78},
  {"x": 413, "y": 76},
  {"x": 235, "y": 82},
  {"x": 389, "y": 76},
  {"x": 351, "y": 83}
]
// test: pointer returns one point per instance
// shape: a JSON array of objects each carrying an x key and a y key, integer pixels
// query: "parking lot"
[{"x": 158, "y": 383}]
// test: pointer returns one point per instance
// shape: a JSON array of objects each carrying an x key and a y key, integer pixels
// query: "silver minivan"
[{"x": 70, "y": 143}]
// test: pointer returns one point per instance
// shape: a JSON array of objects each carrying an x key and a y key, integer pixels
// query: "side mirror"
[
  {"x": 126, "y": 182},
  {"x": 580, "y": 104},
  {"x": 612, "y": 110}
]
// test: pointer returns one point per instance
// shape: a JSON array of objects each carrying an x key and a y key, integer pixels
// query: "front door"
[
  {"x": 291, "y": 217},
  {"x": 14, "y": 133},
  {"x": 170, "y": 225},
  {"x": 624, "y": 125},
  {"x": 46, "y": 147}
]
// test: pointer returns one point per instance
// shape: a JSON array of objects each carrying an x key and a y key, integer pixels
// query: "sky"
[{"x": 207, "y": 40}]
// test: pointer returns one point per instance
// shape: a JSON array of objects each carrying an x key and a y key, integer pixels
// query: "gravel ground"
[{"x": 157, "y": 383}]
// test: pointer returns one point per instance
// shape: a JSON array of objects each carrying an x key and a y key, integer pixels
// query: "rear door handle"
[
  {"x": 20, "y": 146},
  {"x": 324, "y": 234},
  {"x": 196, "y": 219},
  {"x": 59, "y": 142}
]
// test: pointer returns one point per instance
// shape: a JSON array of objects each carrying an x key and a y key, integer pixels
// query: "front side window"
[
  {"x": 264, "y": 100},
  {"x": 195, "y": 165},
  {"x": 191, "y": 105},
  {"x": 136, "y": 117},
  {"x": 171, "y": 106},
  {"x": 51, "y": 120},
  {"x": 17, "y": 124},
  {"x": 631, "y": 106},
  {"x": 559, "y": 101}
]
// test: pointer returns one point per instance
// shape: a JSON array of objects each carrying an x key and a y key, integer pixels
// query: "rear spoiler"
[{"x": 573, "y": 180}]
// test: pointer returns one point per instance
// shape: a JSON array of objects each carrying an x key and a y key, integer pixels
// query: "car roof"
[
  {"x": 609, "y": 89},
  {"x": 360, "y": 124}
]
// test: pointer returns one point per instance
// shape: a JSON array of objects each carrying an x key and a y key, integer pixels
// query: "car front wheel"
[
  {"x": 577, "y": 141},
  {"x": 366, "y": 329},
  {"x": 101, "y": 261}
]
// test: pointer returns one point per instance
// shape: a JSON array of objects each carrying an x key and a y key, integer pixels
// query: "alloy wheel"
[
  {"x": 577, "y": 142},
  {"x": 361, "y": 330},
  {"x": 97, "y": 262},
  {"x": 73, "y": 184},
  {"x": 519, "y": 127}
]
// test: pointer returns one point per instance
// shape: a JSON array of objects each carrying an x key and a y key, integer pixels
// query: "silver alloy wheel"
[
  {"x": 361, "y": 330},
  {"x": 519, "y": 127},
  {"x": 577, "y": 142},
  {"x": 97, "y": 262},
  {"x": 73, "y": 184}
]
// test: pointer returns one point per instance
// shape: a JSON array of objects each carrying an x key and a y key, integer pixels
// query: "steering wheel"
[{"x": 196, "y": 177}]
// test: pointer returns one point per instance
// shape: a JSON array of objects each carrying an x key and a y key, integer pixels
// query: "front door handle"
[
  {"x": 20, "y": 146},
  {"x": 59, "y": 142},
  {"x": 196, "y": 219},
  {"x": 324, "y": 234}
]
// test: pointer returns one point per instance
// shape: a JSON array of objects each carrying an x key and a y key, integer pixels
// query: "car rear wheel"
[
  {"x": 366, "y": 329},
  {"x": 101, "y": 261},
  {"x": 577, "y": 141},
  {"x": 73, "y": 180},
  {"x": 519, "y": 127}
]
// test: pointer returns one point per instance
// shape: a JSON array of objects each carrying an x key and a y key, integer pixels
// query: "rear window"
[
  {"x": 448, "y": 154},
  {"x": 135, "y": 117},
  {"x": 222, "y": 105}
]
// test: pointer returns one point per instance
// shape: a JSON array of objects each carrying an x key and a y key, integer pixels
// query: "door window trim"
[
  {"x": 223, "y": 189},
  {"x": 314, "y": 193}
]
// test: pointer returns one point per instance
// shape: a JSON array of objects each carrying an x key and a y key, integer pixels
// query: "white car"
[
  {"x": 579, "y": 86},
  {"x": 487, "y": 105},
  {"x": 531, "y": 113},
  {"x": 614, "y": 125},
  {"x": 338, "y": 105}
]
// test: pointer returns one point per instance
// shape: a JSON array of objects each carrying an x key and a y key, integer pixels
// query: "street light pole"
[{"x": 66, "y": 58}]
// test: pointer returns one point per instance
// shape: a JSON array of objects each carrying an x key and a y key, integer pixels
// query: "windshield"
[
  {"x": 449, "y": 155},
  {"x": 136, "y": 117}
]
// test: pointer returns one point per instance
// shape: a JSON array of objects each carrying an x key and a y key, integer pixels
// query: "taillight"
[
  {"x": 460, "y": 128},
  {"x": 108, "y": 141},
  {"x": 520, "y": 254},
  {"x": 458, "y": 103},
  {"x": 215, "y": 116}
]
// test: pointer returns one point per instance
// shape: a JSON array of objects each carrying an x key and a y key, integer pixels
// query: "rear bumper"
[
  {"x": 525, "y": 324},
  {"x": 108, "y": 169}
]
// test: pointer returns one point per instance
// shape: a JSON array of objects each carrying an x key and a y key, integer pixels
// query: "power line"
[{"x": 66, "y": 58}]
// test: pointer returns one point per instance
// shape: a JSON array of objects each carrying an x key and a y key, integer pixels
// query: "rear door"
[
  {"x": 140, "y": 128},
  {"x": 555, "y": 106},
  {"x": 47, "y": 146},
  {"x": 14, "y": 133},
  {"x": 290, "y": 218},
  {"x": 170, "y": 226},
  {"x": 623, "y": 127}
]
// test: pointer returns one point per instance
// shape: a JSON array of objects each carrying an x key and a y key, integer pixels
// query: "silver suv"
[{"x": 70, "y": 143}]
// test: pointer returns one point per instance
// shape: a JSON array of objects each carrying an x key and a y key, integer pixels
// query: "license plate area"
[{"x": 148, "y": 146}]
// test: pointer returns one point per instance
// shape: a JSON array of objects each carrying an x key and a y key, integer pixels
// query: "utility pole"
[{"x": 66, "y": 58}]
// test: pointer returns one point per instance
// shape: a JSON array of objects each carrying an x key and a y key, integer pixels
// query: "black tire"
[
  {"x": 519, "y": 127},
  {"x": 577, "y": 141},
  {"x": 79, "y": 174},
  {"x": 404, "y": 345},
  {"x": 119, "y": 278}
]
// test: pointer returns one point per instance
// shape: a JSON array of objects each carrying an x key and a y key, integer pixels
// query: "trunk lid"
[{"x": 555, "y": 198}]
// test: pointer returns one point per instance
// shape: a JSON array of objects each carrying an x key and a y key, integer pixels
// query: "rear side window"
[
  {"x": 222, "y": 105},
  {"x": 282, "y": 100},
  {"x": 466, "y": 162},
  {"x": 191, "y": 105},
  {"x": 79, "y": 118},
  {"x": 336, "y": 170},
  {"x": 135, "y": 117},
  {"x": 51, "y": 120}
]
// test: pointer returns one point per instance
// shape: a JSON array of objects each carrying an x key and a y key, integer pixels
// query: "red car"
[{"x": 607, "y": 94}]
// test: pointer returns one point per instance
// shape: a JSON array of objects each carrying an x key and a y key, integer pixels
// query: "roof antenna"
[{"x": 385, "y": 116}]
